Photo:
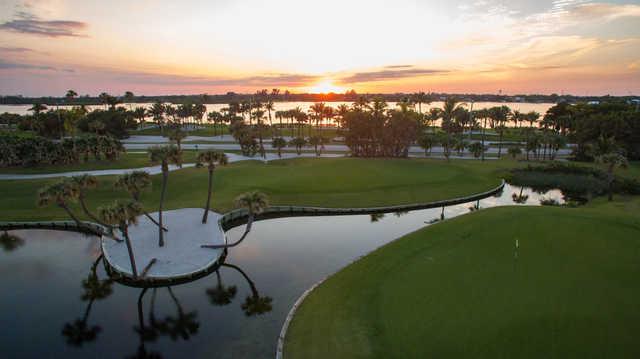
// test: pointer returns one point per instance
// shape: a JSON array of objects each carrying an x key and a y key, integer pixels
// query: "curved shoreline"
[{"x": 303, "y": 296}]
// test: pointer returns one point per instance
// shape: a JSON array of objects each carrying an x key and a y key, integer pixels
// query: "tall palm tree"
[
  {"x": 499, "y": 116},
  {"x": 164, "y": 155},
  {"x": 211, "y": 159},
  {"x": 177, "y": 135},
  {"x": 122, "y": 215},
  {"x": 450, "y": 108},
  {"x": 317, "y": 111},
  {"x": 61, "y": 193},
  {"x": 37, "y": 108},
  {"x": 135, "y": 182},
  {"x": 157, "y": 111},
  {"x": 254, "y": 202}
]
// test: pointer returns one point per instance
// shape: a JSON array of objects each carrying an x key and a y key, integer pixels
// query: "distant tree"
[{"x": 279, "y": 143}]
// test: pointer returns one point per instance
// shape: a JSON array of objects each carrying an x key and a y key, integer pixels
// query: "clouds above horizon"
[
  {"x": 480, "y": 45},
  {"x": 27, "y": 23}
]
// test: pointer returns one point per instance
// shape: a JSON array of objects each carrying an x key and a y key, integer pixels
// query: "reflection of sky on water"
[{"x": 42, "y": 284}]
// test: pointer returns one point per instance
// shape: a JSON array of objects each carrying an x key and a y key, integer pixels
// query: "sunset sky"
[{"x": 214, "y": 46}]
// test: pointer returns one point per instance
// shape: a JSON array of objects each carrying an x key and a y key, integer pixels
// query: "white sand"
[{"x": 181, "y": 255}]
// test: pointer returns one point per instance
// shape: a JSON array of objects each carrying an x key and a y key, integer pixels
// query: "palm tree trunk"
[
  {"x": 125, "y": 232},
  {"x": 90, "y": 215},
  {"x": 154, "y": 221},
  {"x": 165, "y": 177},
  {"x": 500, "y": 144},
  {"x": 206, "y": 208},
  {"x": 73, "y": 217},
  {"x": 246, "y": 231},
  {"x": 252, "y": 285},
  {"x": 610, "y": 183}
]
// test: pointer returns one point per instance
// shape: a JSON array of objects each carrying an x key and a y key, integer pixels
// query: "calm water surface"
[
  {"x": 521, "y": 106},
  {"x": 55, "y": 306}
]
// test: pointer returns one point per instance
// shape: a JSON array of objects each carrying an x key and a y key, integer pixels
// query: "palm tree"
[
  {"x": 157, "y": 111},
  {"x": 177, "y": 135},
  {"x": 499, "y": 115},
  {"x": 83, "y": 183},
  {"x": 61, "y": 194},
  {"x": 211, "y": 158},
  {"x": 140, "y": 113},
  {"x": 221, "y": 294},
  {"x": 164, "y": 155},
  {"x": 298, "y": 143},
  {"x": 279, "y": 143},
  {"x": 449, "y": 110},
  {"x": 317, "y": 110},
  {"x": 611, "y": 161},
  {"x": 70, "y": 95},
  {"x": 122, "y": 215},
  {"x": 37, "y": 108},
  {"x": 254, "y": 202},
  {"x": 135, "y": 182},
  {"x": 253, "y": 304}
]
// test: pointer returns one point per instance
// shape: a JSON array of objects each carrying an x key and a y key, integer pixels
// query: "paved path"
[{"x": 154, "y": 170}]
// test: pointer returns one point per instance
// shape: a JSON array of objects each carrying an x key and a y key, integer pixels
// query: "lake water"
[
  {"x": 521, "y": 106},
  {"x": 54, "y": 305}
]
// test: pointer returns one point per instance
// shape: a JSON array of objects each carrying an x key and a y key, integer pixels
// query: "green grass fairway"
[
  {"x": 456, "y": 290},
  {"x": 133, "y": 159},
  {"x": 330, "y": 182}
]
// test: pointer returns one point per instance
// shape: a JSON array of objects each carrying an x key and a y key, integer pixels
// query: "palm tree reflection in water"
[{"x": 78, "y": 332}]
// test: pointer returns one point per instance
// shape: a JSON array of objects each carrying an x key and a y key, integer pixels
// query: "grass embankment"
[
  {"x": 132, "y": 159},
  {"x": 459, "y": 289},
  {"x": 330, "y": 182}
]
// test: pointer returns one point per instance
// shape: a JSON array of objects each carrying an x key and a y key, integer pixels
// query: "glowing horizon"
[{"x": 167, "y": 47}]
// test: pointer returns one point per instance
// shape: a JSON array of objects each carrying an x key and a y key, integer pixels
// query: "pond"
[{"x": 57, "y": 300}]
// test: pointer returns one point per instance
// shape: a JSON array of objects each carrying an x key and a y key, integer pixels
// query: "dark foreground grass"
[
  {"x": 459, "y": 289},
  {"x": 329, "y": 182}
]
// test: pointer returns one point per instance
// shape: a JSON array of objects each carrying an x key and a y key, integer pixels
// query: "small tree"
[
  {"x": 122, "y": 215},
  {"x": 279, "y": 143},
  {"x": 298, "y": 143},
  {"x": 211, "y": 158},
  {"x": 514, "y": 152},
  {"x": 611, "y": 161},
  {"x": 477, "y": 149},
  {"x": 255, "y": 203}
]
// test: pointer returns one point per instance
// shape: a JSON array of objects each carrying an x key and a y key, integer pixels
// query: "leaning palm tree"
[
  {"x": 122, "y": 215},
  {"x": 611, "y": 161},
  {"x": 61, "y": 193},
  {"x": 211, "y": 158},
  {"x": 83, "y": 183},
  {"x": 135, "y": 182},
  {"x": 254, "y": 202},
  {"x": 164, "y": 155}
]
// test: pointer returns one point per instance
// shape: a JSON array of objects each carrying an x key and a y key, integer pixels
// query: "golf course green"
[{"x": 509, "y": 282}]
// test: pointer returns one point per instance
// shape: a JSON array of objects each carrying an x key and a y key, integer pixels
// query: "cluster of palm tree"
[
  {"x": 31, "y": 151},
  {"x": 373, "y": 130}
]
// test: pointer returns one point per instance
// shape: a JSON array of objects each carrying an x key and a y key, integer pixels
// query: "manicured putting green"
[{"x": 461, "y": 289}]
